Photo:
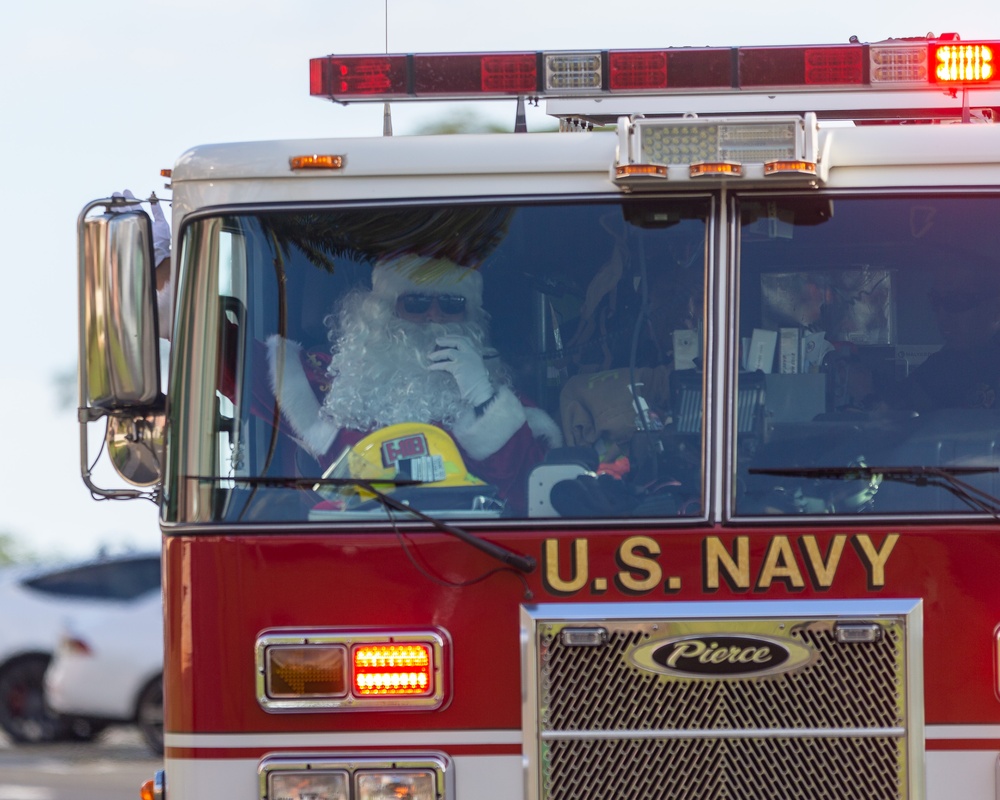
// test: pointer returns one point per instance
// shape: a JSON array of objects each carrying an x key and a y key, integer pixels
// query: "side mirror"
[
  {"x": 119, "y": 372},
  {"x": 135, "y": 446},
  {"x": 119, "y": 348}
]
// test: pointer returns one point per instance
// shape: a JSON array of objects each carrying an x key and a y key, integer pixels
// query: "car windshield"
[
  {"x": 475, "y": 361},
  {"x": 868, "y": 339}
]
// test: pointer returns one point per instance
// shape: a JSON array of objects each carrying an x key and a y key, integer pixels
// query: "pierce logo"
[{"x": 722, "y": 656}]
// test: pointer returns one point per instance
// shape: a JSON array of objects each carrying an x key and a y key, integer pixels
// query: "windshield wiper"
[
  {"x": 519, "y": 562},
  {"x": 944, "y": 477}
]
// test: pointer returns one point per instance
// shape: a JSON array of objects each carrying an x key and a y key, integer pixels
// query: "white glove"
[
  {"x": 459, "y": 357},
  {"x": 161, "y": 233},
  {"x": 161, "y": 228},
  {"x": 126, "y": 195}
]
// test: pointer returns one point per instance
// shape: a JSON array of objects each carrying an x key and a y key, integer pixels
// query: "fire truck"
[{"x": 690, "y": 489}]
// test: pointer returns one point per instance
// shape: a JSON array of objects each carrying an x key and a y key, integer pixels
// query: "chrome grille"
[{"x": 846, "y": 723}]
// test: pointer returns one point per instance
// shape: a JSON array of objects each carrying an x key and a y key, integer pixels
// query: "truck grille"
[{"x": 607, "y": 719}]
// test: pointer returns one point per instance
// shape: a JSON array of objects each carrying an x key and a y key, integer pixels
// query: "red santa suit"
[{"x": 385, "y": 370}]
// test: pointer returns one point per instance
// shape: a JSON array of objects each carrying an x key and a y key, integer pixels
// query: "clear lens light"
[
  {"x": 679, "y": 143},
  {"x": 898, "y": 64},
  {"x": 309, "y": 786},
  {"x": 396, "y": 785},
  {"x": 573, "y": 71}
]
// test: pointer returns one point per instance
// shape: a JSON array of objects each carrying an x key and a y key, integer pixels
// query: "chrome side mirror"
[
  {"x": 119, "y": 372},
  {"x": 135, "y": 446},
  {"x": 119, "y": 350}
]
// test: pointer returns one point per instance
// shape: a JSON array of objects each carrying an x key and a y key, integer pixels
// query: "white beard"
[{"x": 379, "y": 373}]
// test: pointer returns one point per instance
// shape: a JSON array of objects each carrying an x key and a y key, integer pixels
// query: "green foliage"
[
  {"x": 464, "y": 121},
  {"x": 13, "y": 552}
]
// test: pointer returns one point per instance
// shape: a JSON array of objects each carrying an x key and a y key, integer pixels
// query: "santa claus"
[{"x": 415, "y": 349}]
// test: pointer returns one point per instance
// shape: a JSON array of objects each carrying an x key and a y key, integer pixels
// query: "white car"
[
  {"x": 38, "y": 604},
  {"x": 108, "y": 669}
]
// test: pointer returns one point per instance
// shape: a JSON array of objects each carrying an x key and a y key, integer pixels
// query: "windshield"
[
  {"x": 868, "y": 337},
  {"x": 476, "y": 362}
]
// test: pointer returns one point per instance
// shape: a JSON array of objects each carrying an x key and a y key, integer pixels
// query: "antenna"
[{"x": 386, "y": 110}]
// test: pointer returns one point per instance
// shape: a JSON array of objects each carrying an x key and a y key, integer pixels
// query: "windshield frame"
[
  {"x": 734, "y": 274},
  {"x": 197, "y": 340}
]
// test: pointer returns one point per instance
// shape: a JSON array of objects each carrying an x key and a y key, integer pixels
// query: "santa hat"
[{"x": 410, "y": 273}]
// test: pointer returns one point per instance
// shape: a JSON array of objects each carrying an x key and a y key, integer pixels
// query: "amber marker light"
[
  {"x": 641, "y": 170},
  {"x": 792, "y": 166},
  {"x": 723, "y": 168},
  {"x": 392, "y": 669},
  {"x": 306, "y": 671},
  {"x": 316, "y": 162}
]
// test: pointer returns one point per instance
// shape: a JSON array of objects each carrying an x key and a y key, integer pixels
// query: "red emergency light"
[
  {"x": 893, "y": 64},
  {"x": 963, "y": 62}
]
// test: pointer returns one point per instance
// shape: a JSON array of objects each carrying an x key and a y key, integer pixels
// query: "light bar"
[
  {"x": 351, "y": 670},
  {"x": 892, "y": 64}
]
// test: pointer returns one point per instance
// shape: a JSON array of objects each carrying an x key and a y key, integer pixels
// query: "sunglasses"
[{"x": 450, "y": 305}]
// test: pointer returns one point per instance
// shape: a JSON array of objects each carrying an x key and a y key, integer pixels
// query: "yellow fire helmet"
[{"x": 406, "y": 451}]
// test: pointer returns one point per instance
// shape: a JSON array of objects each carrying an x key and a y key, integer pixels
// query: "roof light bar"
[{"x": 892, "y": 64}]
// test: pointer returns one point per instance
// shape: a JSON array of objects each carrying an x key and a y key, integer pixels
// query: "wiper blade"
[
  {"x": 520, "y": 562},
  {"x": 944, "y": 477}
]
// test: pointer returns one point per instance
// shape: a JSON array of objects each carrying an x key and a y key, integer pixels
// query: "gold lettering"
[
  {"x": 714, "y": 654},
  {"x": 780, "y": 564},
  {"x": 635, "y": 553},
  {"x": 736, "y": 567},
  {"x": 823, "y": 570},
  {"x": 874, "y": 560},
  {"x": 689, "y": 649},
  {"x": 579, "y": 567}
]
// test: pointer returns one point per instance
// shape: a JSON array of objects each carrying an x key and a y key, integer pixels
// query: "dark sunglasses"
[{"x": 450, "y": 305}]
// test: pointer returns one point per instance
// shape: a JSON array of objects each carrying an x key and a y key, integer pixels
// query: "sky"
[{"x": 96, "y": 98}]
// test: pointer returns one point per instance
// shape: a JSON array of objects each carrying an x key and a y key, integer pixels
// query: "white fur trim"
[
  {"x": 481, "y": 437},
  {"x": 408, "y": 273},
  {"x": 543, "y": 427},
  {"x": 295, "y": 396}
]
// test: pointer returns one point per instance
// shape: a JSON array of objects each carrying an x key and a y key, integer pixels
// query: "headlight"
[{"x": 423, "y": 776}]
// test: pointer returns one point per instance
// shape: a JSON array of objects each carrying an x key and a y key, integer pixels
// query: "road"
[{"x": 112, "y": 768}]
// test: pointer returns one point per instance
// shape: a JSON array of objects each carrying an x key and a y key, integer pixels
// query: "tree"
[
  {"x": 464, "y": 121},
  {"x": 12, "y": 551}
]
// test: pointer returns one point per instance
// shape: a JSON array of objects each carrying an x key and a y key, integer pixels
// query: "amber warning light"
[{"x": 351, "y": 670}]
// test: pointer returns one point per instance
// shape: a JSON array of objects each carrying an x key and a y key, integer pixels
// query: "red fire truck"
[{"x": 653, "y": 457}]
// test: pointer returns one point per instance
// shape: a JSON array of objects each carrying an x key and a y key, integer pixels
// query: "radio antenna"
[{"x": 386, "y": 111}]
